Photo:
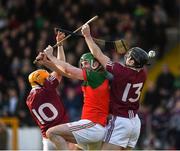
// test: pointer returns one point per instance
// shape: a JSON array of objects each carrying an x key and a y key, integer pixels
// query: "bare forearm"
[
  {"x": 96, "y": 51},
  {"x": 67, "y": 69},
  {"x": 58, "y": 63},
  {"x": 57, "y": 69},
  {"x": 52, "y": 67},
  {"x": 60, "y": 53}
]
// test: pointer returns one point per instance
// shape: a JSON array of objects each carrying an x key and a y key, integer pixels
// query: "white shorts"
[
  {"x": 48, "y": 145},
  {"x": 87, "y": 133},
  {"x": 123, "y": 132}
]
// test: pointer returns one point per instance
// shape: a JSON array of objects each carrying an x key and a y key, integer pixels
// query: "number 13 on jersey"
[{"x": 129, "y": 86}]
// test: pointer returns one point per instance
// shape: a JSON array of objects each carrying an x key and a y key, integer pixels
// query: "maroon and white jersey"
[
  {"x": 126, "y": 87},
  {"x": 45, "y": 105}
]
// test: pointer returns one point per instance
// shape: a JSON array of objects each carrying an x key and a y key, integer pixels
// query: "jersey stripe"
[
  {"x": 110, "y": 129},
  {"x": 83, "y": 126}
]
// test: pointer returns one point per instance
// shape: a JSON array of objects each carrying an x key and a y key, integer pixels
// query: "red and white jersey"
[
  {"x": 45, "y": 105},
  {"x": 126, "y": 88}
]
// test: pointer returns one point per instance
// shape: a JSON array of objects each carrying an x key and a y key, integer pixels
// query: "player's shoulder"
[
  {"x": 110, "y": 62},
  {"x": 51, "y": 78},
  {"x": 31, "y": 96},
  {"x": 51, "y": 83},
  {"x": 119, "y": 66}
]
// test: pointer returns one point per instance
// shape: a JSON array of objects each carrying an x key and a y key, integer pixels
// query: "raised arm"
[
  {"x": 67, "y": 69},
  {"x": 48, "y": 63},
  {"x": 60, "y": 49},
  {"x": 60, "y": 54},
  {"x": 95, "y": 50}
]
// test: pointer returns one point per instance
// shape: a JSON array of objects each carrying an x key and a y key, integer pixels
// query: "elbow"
[{"x": 66, "y": 68}]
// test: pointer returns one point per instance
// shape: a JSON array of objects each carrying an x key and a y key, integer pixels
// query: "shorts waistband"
[{"x": 126, "y": 114}]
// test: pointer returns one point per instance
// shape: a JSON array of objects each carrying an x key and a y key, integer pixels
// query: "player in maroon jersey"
[
  {"x": 90, "y": 130},
  {"x": 128, "y": 79},
  {"x": 44, "y": 102}
]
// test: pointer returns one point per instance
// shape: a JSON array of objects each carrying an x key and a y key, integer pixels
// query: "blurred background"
[{"x": 27, "y": 27}]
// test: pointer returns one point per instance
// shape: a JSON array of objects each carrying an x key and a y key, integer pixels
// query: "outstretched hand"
[
  {"x": 60, "y": 36},
  {"x": 49, "y": 51},
  {"x": 44, "y": 61},
  {"x": 42, "y": 58},
  {"x": 85, "y": 30}
]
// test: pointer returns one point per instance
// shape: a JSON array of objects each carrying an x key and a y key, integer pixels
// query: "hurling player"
[
  {"x": 43, "y": 100},
  {"x": 128, "y": 79}
]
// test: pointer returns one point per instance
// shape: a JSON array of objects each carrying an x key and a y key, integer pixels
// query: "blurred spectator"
[
  {"x": 151, "y": 99},
  {"x": 159, "y": 36},
  {"x": 13, "y": 101},
  {"x": 151, "y": 142},
  {"x": 3, "y": 20},
  {"x": 73, "y": 103},
  {"x": 144, "y": 115},
  {"x": 175, "y": 123},
  {"x": 160, "y": 13},
  {"x": 159, "y": 127},
  {"x": 165, "y": 81},
  {"x": 3, "y": 105}
]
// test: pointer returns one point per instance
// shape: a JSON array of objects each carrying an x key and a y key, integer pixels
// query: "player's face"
[
  {"x": 85, "y": 64},
  {"x": 129, "y": 61}
]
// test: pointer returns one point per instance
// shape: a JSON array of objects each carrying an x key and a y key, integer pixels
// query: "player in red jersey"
[
  {"x": 88, "y": 132},
  {"x": 44, "y": 102},
  {"x": 128, "y": 79}
]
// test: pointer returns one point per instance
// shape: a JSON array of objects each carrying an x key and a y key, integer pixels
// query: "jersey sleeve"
[
  {"x": 114, "y": 68},
  {"x": 51, "y": 82}
]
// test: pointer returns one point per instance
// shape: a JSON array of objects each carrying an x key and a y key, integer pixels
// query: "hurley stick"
[
  {"x": 59, "y": 43},
  {"x": 75, "y": 31}
]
